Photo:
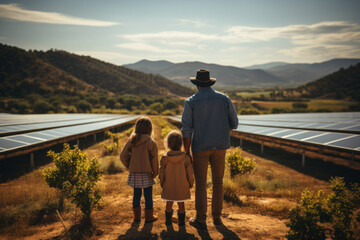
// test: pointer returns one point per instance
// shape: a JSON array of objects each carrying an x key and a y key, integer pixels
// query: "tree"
[
  {"x": 169, "y": 104},
  {"x": 42, "y": 106},
  {"x": 83, "y": 106},
  {"x": 156, "y": 107}
]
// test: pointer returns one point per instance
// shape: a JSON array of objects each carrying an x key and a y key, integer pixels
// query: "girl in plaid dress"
[{"x": 140, "y": 156}]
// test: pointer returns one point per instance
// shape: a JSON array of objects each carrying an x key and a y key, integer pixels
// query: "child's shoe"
[
  {"x": 181, "y": 217},
  {"x": 137, "y": 214},
  {"x": 149, "y": 217}
]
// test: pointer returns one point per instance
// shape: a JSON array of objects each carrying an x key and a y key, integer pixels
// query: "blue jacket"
[{"x": 208, "y": 117}]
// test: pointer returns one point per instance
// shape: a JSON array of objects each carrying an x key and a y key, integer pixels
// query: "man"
[{"x": 207, "y": 119}]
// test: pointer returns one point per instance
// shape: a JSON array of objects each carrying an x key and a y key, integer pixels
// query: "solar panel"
[
  {"x": 351, "y": 142},
  {"x": 304, "y": 135},
  {"x": 328, "y": 138},
  {"x": 7, "y": 144},
  {"x": 26, "y": 139}
]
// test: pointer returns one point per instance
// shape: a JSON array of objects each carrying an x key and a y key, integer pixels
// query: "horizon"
[{"x": 235, "y": 33}]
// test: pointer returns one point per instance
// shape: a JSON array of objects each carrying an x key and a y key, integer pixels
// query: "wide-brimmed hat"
[{"x": 203, "y": 79}]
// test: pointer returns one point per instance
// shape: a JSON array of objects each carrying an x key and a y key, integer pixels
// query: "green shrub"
[
  {"x": 279, "y": 110},
  {"x": 336, "y": 209},
  {"x": 305, "y": 217},
  {"x": 83, "y": 106},
  {"x": 250, "y": 111},
  {"x": 340, "y": 205},
  {"x": 76, "y": 176},
  {"x": 115, "y": 142},
  {"x": 239, "y": 165},
  {"x": 42, "y": 106},
  {"x": 299, "y": 105},
  {"x": 158, "y": 107},
  {"x": 168, "y": 113}
]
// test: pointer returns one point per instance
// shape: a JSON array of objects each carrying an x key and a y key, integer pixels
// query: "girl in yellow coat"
[
  {"x": 140, "y": 156},
  {"x": 176, "y": 177}
]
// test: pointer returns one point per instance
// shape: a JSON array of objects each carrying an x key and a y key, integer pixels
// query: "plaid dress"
[{"x": 140, "y": 180}]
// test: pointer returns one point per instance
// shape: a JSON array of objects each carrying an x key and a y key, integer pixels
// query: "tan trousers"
[{"x": 216, "y": 158}]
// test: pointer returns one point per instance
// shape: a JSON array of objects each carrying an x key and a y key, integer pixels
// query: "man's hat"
[{"x": 203, "y": 79}]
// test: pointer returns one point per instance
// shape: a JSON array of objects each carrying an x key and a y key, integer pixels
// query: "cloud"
[
  {"x": 148, "y": 48},
  {"x": 195, "y": 23},
  {"x": 321, "y": 52},
  {"x": 319, "y": 33},
  {"x": 14, "y": 12},
  {"x": 170, "y": 36}
]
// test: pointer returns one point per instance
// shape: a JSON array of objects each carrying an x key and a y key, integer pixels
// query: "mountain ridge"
[{"x": 285, "y": 75}]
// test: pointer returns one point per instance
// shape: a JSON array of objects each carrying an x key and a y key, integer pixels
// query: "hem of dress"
[{"x": 176, "y": 200}]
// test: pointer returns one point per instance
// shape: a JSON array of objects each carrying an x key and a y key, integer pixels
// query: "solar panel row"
[
  {"x": 314, "y": 128},
  {"x": 12, "y": 129},
  {"x": 7, "y": 119},
  {"x": 23, "y": 140}
]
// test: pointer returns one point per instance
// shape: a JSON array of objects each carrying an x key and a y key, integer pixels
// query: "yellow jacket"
[
  {"x": 141, "y": 157},
  {"x": 176, "y": 176}
]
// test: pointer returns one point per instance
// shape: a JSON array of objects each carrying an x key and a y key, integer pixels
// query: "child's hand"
[{"x": 191, "y": 159}]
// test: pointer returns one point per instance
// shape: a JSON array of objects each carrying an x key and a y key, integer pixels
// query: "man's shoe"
[
  {"x": 217, "y": 221},
  {"x": 197, "y": 224}
]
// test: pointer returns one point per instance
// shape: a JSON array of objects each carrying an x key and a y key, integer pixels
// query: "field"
[
  {"x": 313, "y": 104},
  {"x": 257, "y": 205}
]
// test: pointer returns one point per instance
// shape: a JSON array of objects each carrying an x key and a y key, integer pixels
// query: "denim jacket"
[{"x": 208, "y": 117}]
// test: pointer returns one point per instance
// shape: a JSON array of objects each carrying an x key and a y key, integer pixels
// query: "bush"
[
  {"x": 158, "y": 107},
  {"x": 280, "y": 110},
  {"x": 76, "y": 176},
  {"x": 115, "y": 142},
  {"x": 249, "y": 111},
  {"x": 299, "y": 105},
  {"x": 239, "y": 165},
  {"x": 336, "y": 209},
  {"x": 168, "y": 113},
  {"x": 306, "y": 216},
  {"x": 83, "y": 106},
  {"x": 42, "y": 106}
]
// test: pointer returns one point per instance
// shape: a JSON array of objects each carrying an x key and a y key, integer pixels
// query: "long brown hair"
[{"x": 142, "y": 126}]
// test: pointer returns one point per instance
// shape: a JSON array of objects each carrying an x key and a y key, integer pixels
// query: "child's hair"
[
  {"x": 173, "y": 140},
  {"x": 142, "y": 126}
]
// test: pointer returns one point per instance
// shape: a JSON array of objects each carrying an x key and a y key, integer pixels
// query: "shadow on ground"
[{"x": 134, "y": 232}]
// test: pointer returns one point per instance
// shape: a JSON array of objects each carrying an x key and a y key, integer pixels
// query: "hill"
[
  {"x": 343, "y": 84},
  {"x": 227, "y": 76},
  {"x": 23, "y": 73},
  {"x": 117, "y": 79},
  {"x": 266, "y": 66},
  {"x": 59, "y": 72},
  {"x": 299, "y": 73}
]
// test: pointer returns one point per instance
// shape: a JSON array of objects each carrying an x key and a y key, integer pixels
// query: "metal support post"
[
  {"x": 32, "y": 164},
  {"x": 303, "y": 159}
]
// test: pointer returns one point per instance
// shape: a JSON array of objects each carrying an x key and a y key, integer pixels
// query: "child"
[
  {"x": 176, "y": 177},
  {"x": 140, "y": 156}
]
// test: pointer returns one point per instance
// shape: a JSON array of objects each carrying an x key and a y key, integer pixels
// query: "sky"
[{"x": 228, "y": 32}]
